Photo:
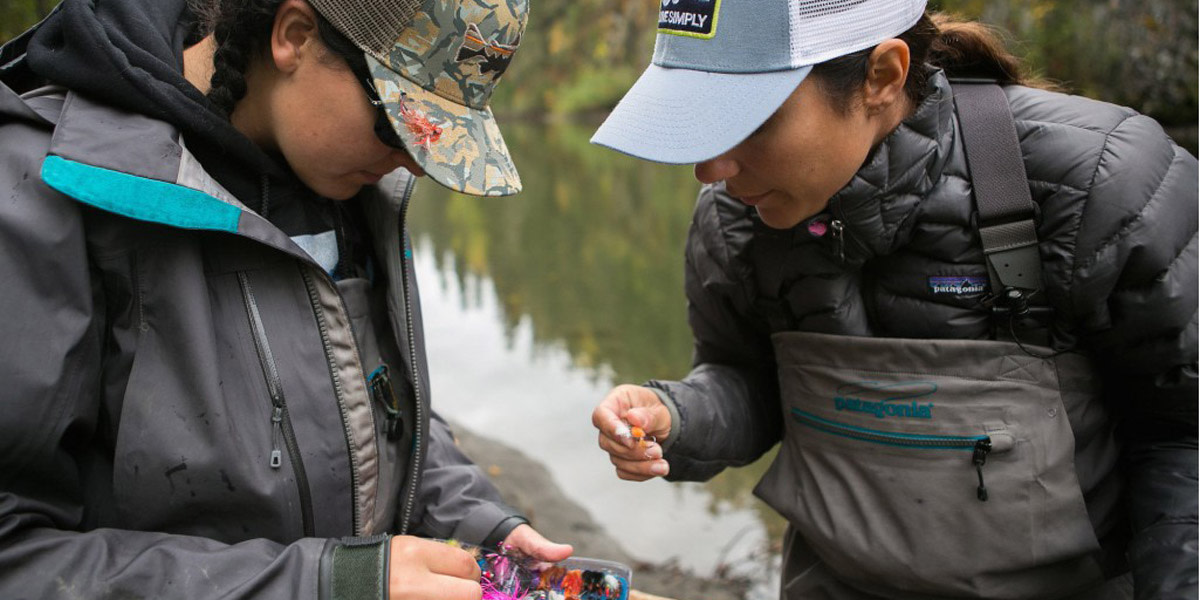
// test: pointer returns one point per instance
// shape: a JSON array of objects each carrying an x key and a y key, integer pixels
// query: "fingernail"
[{"x": 659, "y": 468}]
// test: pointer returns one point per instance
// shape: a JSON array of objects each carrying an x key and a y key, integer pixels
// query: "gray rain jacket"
[
  {"x": 190, "y": 406},
  {"x": 1117, "y": 229}
]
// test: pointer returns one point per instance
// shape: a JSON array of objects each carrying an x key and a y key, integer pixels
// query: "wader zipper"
[
  {"x": 982, "y": 448},
  {"x": 414, "y": 471},
  {"x": 980, "y": 445},
  {"x": 281, "y": 424}
]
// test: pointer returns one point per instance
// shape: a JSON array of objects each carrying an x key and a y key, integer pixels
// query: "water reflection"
[
  {"x": 591, "y": 251},
  {"x": 535, "y": 305}
]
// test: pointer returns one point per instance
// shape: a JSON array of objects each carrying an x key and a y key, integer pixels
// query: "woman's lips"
[{"x": 750, "y": 199}]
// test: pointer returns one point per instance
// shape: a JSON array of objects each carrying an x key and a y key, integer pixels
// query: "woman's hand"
[
  {"x": 626, "y": 407},
  {"x": 531, "y": 543},
  {"x": 427, "y": 570}
]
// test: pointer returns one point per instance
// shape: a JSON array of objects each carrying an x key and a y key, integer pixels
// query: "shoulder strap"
[{"x": 1006, "y": 210}]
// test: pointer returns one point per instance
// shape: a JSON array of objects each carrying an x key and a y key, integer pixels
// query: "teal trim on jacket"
[{"x": 138, "y": 197}]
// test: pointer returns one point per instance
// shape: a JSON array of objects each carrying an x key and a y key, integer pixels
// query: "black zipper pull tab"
[
  {"x": 276, "y": 426},
  {"x": 979, "y": 457},
  {"x": 838, "y": 235}
]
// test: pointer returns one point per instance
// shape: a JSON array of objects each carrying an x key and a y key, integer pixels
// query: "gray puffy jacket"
[
  {"x": 190, "y": 406},
  {"x": 1117, "y": 222}
]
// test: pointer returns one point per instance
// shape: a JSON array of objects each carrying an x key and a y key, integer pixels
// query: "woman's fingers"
[
  {"x": 631, "y": 420},
  {"x": 533, "y": 544},
  {"x": 428, "y": 570}
]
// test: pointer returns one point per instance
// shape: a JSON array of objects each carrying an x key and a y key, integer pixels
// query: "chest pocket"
[{"x": 918, "y": 468}]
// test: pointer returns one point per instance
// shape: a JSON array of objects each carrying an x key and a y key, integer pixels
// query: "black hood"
[{"x": 129, "y": 54}]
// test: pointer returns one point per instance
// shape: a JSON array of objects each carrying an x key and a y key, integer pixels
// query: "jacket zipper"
[
  {"x": 839, "y": 238},
  {"x": 281, "y": 423},
  {"x": 323, "y": 327},
  {"x": 414, "y": 472},
  {"x": 979, "y": 445},
  {"x": 837, "y": 226}
]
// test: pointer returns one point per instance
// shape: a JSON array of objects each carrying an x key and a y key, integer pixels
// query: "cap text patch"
[{"x": 692, "y": 18}]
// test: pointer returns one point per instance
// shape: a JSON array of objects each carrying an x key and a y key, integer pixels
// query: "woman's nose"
[
  {"x": 716, "y": 169},
  {"x": 404, "y": 159}
]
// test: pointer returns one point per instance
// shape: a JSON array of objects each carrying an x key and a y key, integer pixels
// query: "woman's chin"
[
  {"x": 339, "y": 190},
  {"x": 778, "y": 219}
]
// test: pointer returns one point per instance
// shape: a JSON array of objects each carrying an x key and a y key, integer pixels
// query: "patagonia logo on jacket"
[
  {"x": 884, "y": 400},
  {"x": 958, "y": 286}
]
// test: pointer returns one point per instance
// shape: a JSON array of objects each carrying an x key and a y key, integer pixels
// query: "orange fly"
[{"x": 419, "y": 124}]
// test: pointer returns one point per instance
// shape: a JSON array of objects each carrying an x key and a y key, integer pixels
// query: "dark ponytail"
[
  {"x": 960, "y": 47},
  {"x": 241, "y": 30}
]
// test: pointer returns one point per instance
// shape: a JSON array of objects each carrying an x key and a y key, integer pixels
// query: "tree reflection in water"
[{"x": 588, "y": 258}]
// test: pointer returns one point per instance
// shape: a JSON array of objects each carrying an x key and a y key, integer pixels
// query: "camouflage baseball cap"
[{"x": 434, "y": 64}]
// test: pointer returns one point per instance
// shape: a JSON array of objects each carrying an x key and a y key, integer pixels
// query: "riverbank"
[{"x": 526, "y": 485}]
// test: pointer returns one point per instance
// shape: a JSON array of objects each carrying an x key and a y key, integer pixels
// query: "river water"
[{"x": 536, "y": 305}]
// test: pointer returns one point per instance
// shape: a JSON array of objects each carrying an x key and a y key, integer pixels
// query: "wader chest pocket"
[
  {"x": 915, "y": 468},
  {"x": 997, "y": 440}
]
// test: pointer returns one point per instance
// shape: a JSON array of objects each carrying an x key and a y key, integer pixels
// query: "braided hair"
[{"x": 241, "y": 30}]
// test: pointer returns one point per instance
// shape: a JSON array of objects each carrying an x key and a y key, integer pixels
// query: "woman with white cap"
[
  {"x": 965, "y": 306},
  {"x": 214, "y": 381}
]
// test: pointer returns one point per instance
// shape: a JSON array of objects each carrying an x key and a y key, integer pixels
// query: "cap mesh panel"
[
  {"x": 826, "y": 29},
  {"x": 372, "y": 25}
]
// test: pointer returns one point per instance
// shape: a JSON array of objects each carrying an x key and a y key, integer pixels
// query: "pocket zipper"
[
  {"x": 980, "y": 445},
  {"x": 281, "y": 423}
]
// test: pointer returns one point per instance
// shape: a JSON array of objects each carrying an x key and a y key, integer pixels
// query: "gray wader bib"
[{"x": 940, "y": 469}]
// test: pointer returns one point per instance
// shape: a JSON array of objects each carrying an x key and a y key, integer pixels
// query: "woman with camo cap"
[{"x": 214, "y": 372}]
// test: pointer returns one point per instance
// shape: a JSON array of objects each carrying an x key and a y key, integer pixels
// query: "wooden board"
[{"x": 636, "y": 595}]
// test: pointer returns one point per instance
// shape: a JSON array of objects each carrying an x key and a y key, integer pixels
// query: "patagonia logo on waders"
[
  {"x": 886, "y": 400},
  {"x": 692, "y": 18},
  {"x": 958, "y": 286}
]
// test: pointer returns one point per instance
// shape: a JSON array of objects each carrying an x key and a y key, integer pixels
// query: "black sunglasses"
[{"x": 383, "y": 126}]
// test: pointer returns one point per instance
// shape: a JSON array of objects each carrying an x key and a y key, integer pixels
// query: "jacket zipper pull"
[
  {"x": 838, "y": 230},
  {"x": 277, "y": 426},
  {"x": 982, "y": 448}
]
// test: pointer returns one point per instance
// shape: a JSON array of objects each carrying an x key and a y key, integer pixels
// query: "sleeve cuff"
[
  {"x": 355, "y": 569},
  {"x": 500, "y": 533},
  {"x": 487, "y": 522},
  {"x": 664, "y": 396}
]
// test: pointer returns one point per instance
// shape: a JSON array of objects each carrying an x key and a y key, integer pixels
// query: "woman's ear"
[
  {"x": 887, "y": 70},
  {"x": 294, "y": 34}
]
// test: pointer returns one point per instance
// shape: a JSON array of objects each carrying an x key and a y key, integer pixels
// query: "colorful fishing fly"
[
  {"x": 638, "y": 435},
  {"x": 509, "y": 575},
  {"x": 418, "y": 124}
]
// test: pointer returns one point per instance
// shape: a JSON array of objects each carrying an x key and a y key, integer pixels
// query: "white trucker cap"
[{"x": 721, "y": 68}]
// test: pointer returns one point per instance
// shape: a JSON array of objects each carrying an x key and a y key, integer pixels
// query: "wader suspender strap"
[{"x": 1002, "y": 197}]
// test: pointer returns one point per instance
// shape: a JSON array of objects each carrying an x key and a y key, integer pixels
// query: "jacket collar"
[
  {"x": 878, "y": 204},
  {"x": 138, "y": 167}
]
